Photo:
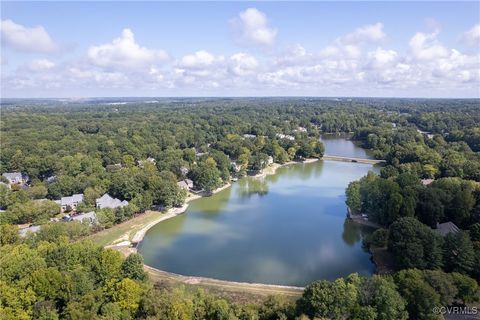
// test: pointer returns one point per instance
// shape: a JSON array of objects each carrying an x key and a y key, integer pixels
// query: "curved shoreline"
[
  {"x": 213, "y": 281},
  {"x": 126, "y": 247},
  {"x": 173, "y": 212}
]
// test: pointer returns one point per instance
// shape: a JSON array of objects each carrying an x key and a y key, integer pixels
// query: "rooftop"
[
  {"x": 445, "y": 228},
  {"x": 31, "y": 229},
  {"x": 71, "y": 200},
  {"x": 106, "y": 201}
]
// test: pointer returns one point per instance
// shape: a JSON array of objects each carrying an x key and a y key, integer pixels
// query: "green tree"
[
  {"x": 8, "y": 234},
  {"x": 421, "y": 298},
  {"x": 458, "y": 253},
  {"x": 354, "y": 200},
  {"x": 380, "y": 300},
  {"x": 132, "y": 267},
  {"x": 414, "y": 245},
  {"x": 328, "y": 299},
  {"x": 206, "y": 175}
]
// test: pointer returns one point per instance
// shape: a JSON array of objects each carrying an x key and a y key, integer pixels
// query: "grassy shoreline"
[
  {"x": 124, "y": 236},
  {"x": 132, "y": 231}
]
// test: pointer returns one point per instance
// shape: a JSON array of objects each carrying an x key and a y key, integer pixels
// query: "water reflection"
[
  {"x": 288, "y": 228},
  {"x": 249, "y": 186}
]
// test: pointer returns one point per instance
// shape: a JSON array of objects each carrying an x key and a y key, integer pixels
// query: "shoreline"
[
  {"x": 213, "y": 281},
  {"x": 272, "y": 169},
  {"x": 173, "y": 212},
  {"x": 128, "y": 247},
  {"x": 170, "y": 213}
]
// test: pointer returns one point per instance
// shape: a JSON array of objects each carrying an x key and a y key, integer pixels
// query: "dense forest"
[{"x": 431, "y": 176}]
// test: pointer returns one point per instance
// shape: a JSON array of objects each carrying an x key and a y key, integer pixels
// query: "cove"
[{"x": 289, "y": 228}]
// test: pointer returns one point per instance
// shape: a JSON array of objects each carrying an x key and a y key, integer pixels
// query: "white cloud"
[
  {"x": 22, "y": 38},
  {"x": 199, "y": 59},
  {"x": 354, "y": 67},
  {"x": 243, "y": 64},
  {"x": 254, "y": 28},
  {"x": 425, "y": 46},
  {"x": 41, "y": 65},
  {"x": 381, "y": 58},
  {"x": 472, "y": 36},
  {"x": 369, "y": 33},
  {"x": 124, "y": 53}
]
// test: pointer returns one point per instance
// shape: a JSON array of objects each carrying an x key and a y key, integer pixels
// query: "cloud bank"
[{"x": 358, "y": 63}]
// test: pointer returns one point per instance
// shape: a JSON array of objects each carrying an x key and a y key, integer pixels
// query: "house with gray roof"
[
  {"x": 141, "y": 163},
  {"x": 426, "y": 182},
  {"x": 445, "y": 228},
  {"x": 106, "y": 201},
  {"x": 186, "y": 184},
  {"x": 235, "y": 167},
  {"x": 16, "y": 177},
  {"x": 70, "y": 202},
  {"x": 32, "y": 229},
  {"x": 89, "y": 217}
]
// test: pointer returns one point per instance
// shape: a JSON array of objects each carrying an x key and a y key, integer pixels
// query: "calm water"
[
  {"x": 289, "y": 228},
  {"x": 339, "y": 145}
]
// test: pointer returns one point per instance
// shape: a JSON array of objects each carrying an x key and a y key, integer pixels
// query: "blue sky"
[{"x": 400, "y": 49}]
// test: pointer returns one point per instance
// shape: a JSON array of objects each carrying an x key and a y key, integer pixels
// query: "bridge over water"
[{"x": 351, "y": 159}]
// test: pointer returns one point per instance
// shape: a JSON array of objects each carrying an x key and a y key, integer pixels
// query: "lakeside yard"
[{"x": 126, "y": 230}]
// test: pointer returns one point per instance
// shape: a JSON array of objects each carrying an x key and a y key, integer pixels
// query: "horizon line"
[{"x": 230, "y": 97}]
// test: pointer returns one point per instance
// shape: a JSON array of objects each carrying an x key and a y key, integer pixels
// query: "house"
[
  {"x": 249, "y": 136},
  {"x": 114, "y": 167},
  {"x": 184, "y": 171},
  {"x": 141, "y": 163},
  {"x": 269, "y": 160},
  {"x": 301, "y": 129},
  {"x": 285, "y": 136},
  {"x": 51, "y": 179},
  {"x": 186, "y": 184},
  {"x": 426, "y": 182},
  {"x": 445, "y": 228},
  {"x": 32, "y": 229},
  {"x": 152, "y": 160},
  {"x": 16, "y": 177},
  {"x": 89, "y": 217},
  {"x": 235, "y": 167},
  {"x": 106, "y": 201},
  {"x": 70, "y": 202}
]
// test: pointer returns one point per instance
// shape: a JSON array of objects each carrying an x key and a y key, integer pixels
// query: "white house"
[
  {"x": 186, "y": 184},
  {"x": 16, "y": 177},
  {"x": 89, "y": 217},
  {"x": 106, "y": 201},
  {"x": 71, "y": 201},
  {"x": 285, "y": 136}
]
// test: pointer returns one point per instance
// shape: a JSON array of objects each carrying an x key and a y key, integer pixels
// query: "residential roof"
[
  {"x": 13, "y": 176},
  {"x": 106, "y": 201},
  {"x": 426, "y": 182},
  {"x": 185, "y": 184},
  {"x": 72, "y": 200},
  {"x": 25, "y": 231},
  {"x": 445, "y": 228},
  {"x": 91, "y": 216}
]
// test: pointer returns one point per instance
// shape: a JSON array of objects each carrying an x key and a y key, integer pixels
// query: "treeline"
[
  {"x": 46, "y": 276},
  {"x": 427, "y": 155},
  {"x": 428, "y": 188}
]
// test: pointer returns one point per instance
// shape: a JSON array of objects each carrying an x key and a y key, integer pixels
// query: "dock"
[{"x": 351, "y": 159}]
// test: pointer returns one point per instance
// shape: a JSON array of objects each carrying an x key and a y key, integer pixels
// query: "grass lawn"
[{"x": 125, "y": 230}]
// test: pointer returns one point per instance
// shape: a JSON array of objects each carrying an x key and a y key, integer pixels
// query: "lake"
[{"x": 288, "y": 229}]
